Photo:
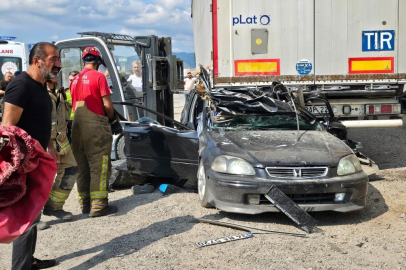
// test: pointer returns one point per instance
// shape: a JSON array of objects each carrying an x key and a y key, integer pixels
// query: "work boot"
[
  {"x": 42, "y": 264},
  {"x": 84, "y": 205},
  {"x": 110, "y": 209},
  {"x": 100, "y": 207},
  {"x": 61, "y": 214}
]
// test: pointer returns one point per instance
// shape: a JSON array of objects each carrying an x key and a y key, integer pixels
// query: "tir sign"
[{"x": 383, "y": 40}]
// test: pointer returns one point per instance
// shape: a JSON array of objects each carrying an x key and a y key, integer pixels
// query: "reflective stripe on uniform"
[
  {"x": 58, "y": 196},
  {"x": 103, "y": 175},
  {"x": 98, "y": 194},
  {"x": 65, "y": 146},
  {"x": 83, "y": 195}
]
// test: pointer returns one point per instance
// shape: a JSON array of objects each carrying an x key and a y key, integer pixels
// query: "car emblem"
[{"x": 297, "y": 172}]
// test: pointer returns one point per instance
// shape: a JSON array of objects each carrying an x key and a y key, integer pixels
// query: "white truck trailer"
[
  {"x": 353, "y": 51},
  {"x": 13, "y": 55}
]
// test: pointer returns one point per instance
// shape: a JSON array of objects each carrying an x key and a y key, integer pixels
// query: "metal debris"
[
  {"x": 291, "y": 209},
  {"x": 250, "y": 229},
  {"x": 224, "y": 240}
]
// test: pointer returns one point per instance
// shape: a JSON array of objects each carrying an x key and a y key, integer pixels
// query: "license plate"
[{"x": 317, "y": 109}]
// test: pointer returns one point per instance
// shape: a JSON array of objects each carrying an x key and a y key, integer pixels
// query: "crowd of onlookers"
[{"x": 8, "y": 76}]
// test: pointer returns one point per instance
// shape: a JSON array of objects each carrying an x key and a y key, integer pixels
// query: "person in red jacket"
[{"x": 93, "y": 123}]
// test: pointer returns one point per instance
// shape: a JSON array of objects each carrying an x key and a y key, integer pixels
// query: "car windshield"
[{"x": 265, "y": 122}]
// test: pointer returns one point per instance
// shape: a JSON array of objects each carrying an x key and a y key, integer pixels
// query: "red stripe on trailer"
[{"x": 215, "y": 40}]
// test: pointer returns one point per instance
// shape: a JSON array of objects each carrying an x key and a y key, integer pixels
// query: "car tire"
[
  {"x": 120, "y": 148},
  {"x": 202, "y": 186}
]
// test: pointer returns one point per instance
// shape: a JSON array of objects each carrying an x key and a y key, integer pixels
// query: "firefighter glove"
[{"x": 116, "y": 127}]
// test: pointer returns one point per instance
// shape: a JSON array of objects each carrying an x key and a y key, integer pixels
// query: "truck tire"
[
  {"x": 120, "y": 148},
  {"x": 202, "y": 186}
]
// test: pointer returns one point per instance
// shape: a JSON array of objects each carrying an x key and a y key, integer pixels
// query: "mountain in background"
[{"x": 187, "y": 58}]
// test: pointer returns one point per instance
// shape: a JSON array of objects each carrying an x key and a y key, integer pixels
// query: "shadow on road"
[{"x": 133, "y": 242}]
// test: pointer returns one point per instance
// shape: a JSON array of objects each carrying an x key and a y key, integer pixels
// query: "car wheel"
[
  {"x": 120, "y": 148},
  {"x": 202, "y": 186}
]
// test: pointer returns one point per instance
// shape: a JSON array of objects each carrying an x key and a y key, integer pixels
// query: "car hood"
[{"x": 282, "y": 147}]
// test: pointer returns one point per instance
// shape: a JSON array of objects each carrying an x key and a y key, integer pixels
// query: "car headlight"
[
  {"x": 348, "y": 165},
  {"x": 232, "y": 165}
]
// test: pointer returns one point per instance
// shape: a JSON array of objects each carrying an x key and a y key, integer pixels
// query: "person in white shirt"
[
  {"x": 136, "y": 78},
  {"x": 189, "y": 84}
]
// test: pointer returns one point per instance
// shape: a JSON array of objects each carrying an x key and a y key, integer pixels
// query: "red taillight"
[
  {"x": 371, "y": 109},
  {"x": 386, "y": 108}
]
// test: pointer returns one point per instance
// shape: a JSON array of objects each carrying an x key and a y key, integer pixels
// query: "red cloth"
[
  {"x": 27, "y": 173},
  {"x": 93, "y": 87}
]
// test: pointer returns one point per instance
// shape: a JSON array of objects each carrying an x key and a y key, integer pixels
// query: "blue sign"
[
  {"x": 7, "y": 38},
  {"x": 30, "y": 46},
  {"x": 304, "y": 67},
  {"x": 381, "y": 40}
]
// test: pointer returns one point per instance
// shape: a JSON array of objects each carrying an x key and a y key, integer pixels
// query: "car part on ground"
[
  {"x": 253, "y": 230},
  {"x": 121, "y": 177},
  {"x": 291, "y": 209},
  {"x": 224, "y": 240}
]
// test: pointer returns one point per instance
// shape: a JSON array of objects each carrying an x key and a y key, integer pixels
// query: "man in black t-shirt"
[{"x": 28, "y": 106}]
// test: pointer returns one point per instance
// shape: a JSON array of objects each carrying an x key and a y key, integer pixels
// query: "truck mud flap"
[{"x": 291, "y": 209}]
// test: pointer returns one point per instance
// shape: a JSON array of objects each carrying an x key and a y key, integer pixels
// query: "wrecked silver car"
[
  {"x": 251, "y": 141},
  {"x": 239, "y": 142}
]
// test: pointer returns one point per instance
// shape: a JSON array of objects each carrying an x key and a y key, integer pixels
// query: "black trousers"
[{"x": 24, "y": 248}]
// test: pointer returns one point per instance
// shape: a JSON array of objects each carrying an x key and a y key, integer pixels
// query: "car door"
[{"x": 156, "y": 150}]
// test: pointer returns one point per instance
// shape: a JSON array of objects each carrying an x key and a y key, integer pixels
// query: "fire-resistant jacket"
[{"x": 60, "y": 116}]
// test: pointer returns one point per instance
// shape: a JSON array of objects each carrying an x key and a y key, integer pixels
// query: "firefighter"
[
  {"x": 67, "y": 168},
  {"x": 93, "y": 123}
]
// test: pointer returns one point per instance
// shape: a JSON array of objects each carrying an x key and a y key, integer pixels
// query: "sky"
[{"x": 32, "y": 21}]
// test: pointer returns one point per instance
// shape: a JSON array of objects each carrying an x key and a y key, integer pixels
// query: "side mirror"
[{"x": 339, "y": 130}]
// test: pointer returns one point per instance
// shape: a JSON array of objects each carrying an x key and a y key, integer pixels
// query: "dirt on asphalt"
[{"x": 153, "y": 231}]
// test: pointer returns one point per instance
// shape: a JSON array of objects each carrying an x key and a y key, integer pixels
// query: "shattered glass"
[{"x": 265, "y": 122}]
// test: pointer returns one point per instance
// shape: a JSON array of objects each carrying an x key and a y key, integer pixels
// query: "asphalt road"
[{"x": 385, "y": 146}]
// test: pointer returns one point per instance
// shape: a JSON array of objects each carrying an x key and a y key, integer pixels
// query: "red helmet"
[{"x": 92, "y": 51}]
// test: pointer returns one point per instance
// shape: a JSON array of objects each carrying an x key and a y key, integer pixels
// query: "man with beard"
[{"x": 28, "y": 106}]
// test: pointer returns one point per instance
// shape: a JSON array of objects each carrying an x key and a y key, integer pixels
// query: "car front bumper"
[{"x": 246, "y": 194}]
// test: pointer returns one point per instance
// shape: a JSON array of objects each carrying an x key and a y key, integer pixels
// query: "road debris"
[
  {"x": 144, "y": 189},
  {"x": 224, "y": 240},
  {"x": 291, "y": 209},
  {"x": 250, "y": 229}
]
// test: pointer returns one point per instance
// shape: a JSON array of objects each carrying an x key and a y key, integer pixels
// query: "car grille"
[
  {"x": 297, "y": 172},
  {"x": 315, "y": 198}
]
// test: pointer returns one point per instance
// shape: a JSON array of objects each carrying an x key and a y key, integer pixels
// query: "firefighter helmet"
[{"x": 92, "y": 51}]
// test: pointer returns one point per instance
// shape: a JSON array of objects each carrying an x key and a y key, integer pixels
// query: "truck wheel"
[
  {"x": 202, "y": 186},
  {"x": 120, "y": 148}
]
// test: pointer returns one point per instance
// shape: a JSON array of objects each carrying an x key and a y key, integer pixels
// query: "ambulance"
[{"x": 13, "y": 55}]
